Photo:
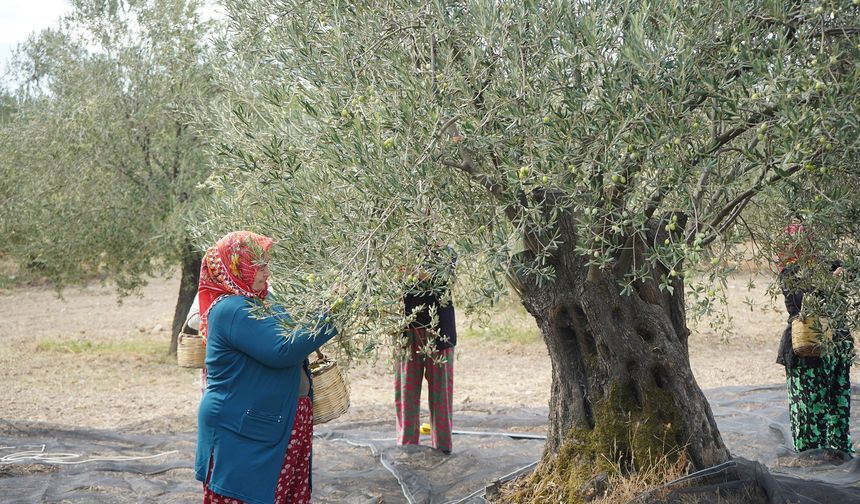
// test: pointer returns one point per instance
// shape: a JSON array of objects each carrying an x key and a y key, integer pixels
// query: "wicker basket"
[
  {"x": 331, "y": 397},
  {"x": 809, "y": 336},
  {"x": 190, "y": 353}
]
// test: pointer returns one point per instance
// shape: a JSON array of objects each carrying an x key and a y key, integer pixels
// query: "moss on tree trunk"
[{"x": 629, "y": 437}]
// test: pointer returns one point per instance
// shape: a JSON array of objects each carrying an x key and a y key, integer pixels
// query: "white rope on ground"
[
  {"x": 403, "y": 487},
  {"x": 406, "y": 493},
  {"x": 482, "y": 492},
  {"x": 513, "y": 435},
  {"x": 59, "y": 458}
]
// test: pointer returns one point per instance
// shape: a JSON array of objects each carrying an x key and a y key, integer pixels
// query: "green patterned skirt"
[{"x": 820, "y": 401}]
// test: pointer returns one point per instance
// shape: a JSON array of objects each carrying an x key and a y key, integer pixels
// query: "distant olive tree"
[
  {"x": 588, "y": 154},
  {"x": 106, "y": 168},
  {"x": 7, "y": 106}
]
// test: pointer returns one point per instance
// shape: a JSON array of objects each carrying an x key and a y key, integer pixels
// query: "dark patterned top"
[{"x": 434, "y": 293}]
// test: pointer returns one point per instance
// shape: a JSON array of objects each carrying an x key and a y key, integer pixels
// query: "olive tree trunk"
[
  {"x": 621, "y": 356},
  {"x": 187, "y": 290}
]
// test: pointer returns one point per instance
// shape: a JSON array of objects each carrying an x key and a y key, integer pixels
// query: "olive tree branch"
[
  {"x": 729, "y": 213},
  {"x": 490, "y": 184},
  {"x": 378, "y": 43},
  {"x": 842, "y": 30}
]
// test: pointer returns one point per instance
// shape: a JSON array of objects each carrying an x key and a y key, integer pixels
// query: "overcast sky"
[{"x": 19, "y": 18}]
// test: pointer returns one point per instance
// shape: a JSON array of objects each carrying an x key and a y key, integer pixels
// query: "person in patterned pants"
[
  {"x": 255, "y": 419},
  {"x": 428, "y": 351},
  {"x": 819, "y": 388},
  {"x": 408, "y": 377}
]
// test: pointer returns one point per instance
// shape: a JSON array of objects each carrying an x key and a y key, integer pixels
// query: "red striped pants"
[{"x": 409, "y": 375}]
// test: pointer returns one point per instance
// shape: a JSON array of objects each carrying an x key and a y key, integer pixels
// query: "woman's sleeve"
[
  {"x": 265, "y": 340},
  {"x": 192, "y": 320},
  {"x": 793, "y": 296}
]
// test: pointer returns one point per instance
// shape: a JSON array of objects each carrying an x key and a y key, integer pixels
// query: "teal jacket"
[{"x": 250, "y": 401}]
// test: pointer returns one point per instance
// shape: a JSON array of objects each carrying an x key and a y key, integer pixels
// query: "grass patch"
[
  {"x": 507, "y": 322},
  {"x": 150, "y": 350}
]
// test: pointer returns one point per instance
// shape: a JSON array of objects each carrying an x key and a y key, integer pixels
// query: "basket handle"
[
  {"x": 182, "y": 332},
  {"x": 320, "y": 355}
]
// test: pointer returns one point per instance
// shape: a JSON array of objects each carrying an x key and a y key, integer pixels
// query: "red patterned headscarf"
[
  {"x": 229, "y": 268},
  {"x": 797, "y": 244}
]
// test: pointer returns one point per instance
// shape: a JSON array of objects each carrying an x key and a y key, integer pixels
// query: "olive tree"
[
  {"x": 586, "y": 154},
  {"x": 105, "y": 164}
]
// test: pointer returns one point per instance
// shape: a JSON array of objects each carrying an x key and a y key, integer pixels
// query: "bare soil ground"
[{"x": 90, "y": 362}]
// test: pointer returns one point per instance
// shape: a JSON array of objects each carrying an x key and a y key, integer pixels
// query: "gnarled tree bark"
[{"x": 603, "y": 343}]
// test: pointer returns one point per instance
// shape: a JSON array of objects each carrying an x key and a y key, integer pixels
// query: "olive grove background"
[
  {"x": 605, "y": 162},
  {"x": 99, "y": 165}
]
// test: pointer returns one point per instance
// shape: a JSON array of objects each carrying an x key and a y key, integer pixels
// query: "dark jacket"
[
  {"x": 435, "y": 292},
  {"x": 246, "y": 414}
]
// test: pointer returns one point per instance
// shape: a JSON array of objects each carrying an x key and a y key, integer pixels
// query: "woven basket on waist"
[
  {"x": 190, "y": 352},
  {"x": 809, "y": 336},
  {"x": 331, "y": 397}
]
